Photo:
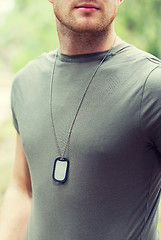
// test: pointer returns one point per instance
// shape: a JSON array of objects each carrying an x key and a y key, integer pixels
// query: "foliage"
[
  {"x": 28, "y": 31},
  {"x": 7, "y": 151},
  {"x": 139, "y": 23}
]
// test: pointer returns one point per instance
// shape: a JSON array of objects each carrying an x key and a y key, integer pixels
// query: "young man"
[{"x": 88, "y": 121}]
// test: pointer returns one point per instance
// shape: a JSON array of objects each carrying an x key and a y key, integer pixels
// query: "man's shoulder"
[
  {"x": 41, "y": 65},
  {"x": 151, "y": 65},
  {"x": 138, "y": 64},
  {"x": 136, "y": 54},
  {"x": 153, "y": 81}
]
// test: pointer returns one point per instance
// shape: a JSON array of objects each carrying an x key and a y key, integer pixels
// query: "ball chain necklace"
[{"x": 61, "y": 164}]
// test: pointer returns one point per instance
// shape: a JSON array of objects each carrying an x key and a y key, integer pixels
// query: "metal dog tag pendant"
[{"x": 60, "y": 170}]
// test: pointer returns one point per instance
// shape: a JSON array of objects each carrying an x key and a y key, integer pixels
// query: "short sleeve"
[
  {"x": 13, "y": 106},
  {"x": 151, "y": 108}
]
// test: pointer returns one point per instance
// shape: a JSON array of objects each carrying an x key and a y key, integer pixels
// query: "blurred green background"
[{"x": 27, "y": 29}]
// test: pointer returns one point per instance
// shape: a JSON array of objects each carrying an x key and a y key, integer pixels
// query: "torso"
[{"x": 112, "y": 191}]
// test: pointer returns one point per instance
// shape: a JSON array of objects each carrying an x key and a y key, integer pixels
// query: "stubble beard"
[{"x": 72, "y": 26}]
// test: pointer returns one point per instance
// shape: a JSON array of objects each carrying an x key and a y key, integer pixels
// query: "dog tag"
[{"x": 60, "y": 170}]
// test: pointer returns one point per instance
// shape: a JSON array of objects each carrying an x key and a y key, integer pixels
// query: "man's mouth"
[{"x": 88, "y": 8}]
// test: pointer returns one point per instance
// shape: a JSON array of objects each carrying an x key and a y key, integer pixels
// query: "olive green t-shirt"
[{"x": 114, "y": 182}]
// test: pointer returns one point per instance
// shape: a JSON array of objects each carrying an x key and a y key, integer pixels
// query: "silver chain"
[{"x": 80, "y": 104}]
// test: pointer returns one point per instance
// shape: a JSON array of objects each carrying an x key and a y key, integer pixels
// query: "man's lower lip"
[{"x": 87, "y": 10}]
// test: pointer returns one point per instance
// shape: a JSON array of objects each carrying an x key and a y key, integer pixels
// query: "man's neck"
[{"x": 82, "y": 43}]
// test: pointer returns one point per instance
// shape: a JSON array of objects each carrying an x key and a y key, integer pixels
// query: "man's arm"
[{"x": 16, "y": 205}]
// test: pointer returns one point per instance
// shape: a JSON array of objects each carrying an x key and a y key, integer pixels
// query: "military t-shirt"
[{"x": 114, "y": 181}]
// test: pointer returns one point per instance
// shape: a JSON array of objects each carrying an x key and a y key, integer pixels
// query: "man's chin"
[{"x": 85, "y": 29}]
